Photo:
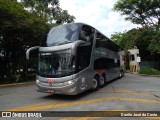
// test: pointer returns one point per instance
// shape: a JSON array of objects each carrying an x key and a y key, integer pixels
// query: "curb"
[
  {"x": 149, "y": 75},
  {"x": 15, "y": 84},
  {"x": 144, "y": 75}
]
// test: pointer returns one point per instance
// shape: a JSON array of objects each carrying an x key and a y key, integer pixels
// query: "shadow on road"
[
  {"x": 74, "y": 97},
  {"x": 67, "y": 97}
]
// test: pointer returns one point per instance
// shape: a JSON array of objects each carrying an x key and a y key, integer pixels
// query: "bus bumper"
[{"x": 71, "y": 89}]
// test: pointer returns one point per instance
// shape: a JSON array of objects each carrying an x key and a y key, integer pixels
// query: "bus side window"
[
  {"x": 100, "y": 40},
  {"x": 104, "y": 63},
  {"x": 86, "y": 33},
  {"x": 83, "y": 57}
]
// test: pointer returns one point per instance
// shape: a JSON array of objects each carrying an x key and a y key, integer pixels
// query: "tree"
[
  {"x": 49, "y": 10},
  {"x": 18, "y": 31},
  {"x": 143, "y": 12},
  {"x": 154, "y": 46},
  {"x": 147, "y": 14},
  {"x": 117, "y": 37},
  {"x": 146, "y": 40}
]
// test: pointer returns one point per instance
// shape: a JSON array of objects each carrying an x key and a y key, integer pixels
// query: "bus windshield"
[
  {"x": 63, "y": 34},
  {"x": 56, "y": 63}
]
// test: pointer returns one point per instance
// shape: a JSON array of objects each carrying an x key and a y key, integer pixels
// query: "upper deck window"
[
  {"x": 86, "y": 33},
  {"x": 63, "y": 34},
  {"x": 68, "y": 33},
  {"x": 102, "y": 41}
]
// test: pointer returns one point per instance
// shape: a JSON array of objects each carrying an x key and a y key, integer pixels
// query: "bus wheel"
[
  {"x": 102, "y": 82},
  {"x": 120, "y": 74},
  {"x": 95, "y": 83}
]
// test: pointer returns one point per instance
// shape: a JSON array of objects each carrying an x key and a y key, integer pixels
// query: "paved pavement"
[{"x": 130, "y": 93}]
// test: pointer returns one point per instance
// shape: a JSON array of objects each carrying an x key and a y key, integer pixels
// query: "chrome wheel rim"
[
  {"x": 120, "y": 75},
  {"x": 102, "y": 81},
  {"x": 95, "y": 84}
]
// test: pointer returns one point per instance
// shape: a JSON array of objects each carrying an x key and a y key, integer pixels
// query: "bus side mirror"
[{"x": 29, "y": 50}]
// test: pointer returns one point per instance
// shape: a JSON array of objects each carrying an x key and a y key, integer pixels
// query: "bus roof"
[{"x": 70, "y": 32}]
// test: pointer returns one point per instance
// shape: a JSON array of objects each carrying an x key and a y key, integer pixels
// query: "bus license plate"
[{"x": 50, "y": 91}]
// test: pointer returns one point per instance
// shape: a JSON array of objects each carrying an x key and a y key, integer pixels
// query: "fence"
[{"x": 151, "y": 64}]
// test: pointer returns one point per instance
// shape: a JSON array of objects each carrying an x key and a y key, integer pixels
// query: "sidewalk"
[
  {"x": 142, "y": 74},
  {"x": 14, "y": 84}
]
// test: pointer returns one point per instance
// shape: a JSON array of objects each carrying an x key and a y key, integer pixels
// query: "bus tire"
[
  {"x": 121, "y": 74},
  {"x": 95, "y": 83},
  {"x": 103, "y": 80}
]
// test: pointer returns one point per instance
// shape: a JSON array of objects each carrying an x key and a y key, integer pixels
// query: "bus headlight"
[
  {"x": 38, "y": 82},
  {"x": 70, "y": 82}
]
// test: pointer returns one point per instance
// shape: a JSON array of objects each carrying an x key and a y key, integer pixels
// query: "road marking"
[
  {"x": 124, "y": 91},
  {"x": 140, "y": 100},
  {"x": 83, "y": 102},
  {"x": 133, "y": 92},
  {"x": 63, "y": 104},
  {"x": 38, "y": 104},
  {"x": 14, "y": 84}
]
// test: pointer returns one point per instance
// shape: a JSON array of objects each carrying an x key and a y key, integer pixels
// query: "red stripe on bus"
[{"x": 100, "y": 70}]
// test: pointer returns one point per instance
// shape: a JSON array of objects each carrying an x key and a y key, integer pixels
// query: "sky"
[{"x": 97, "y": 13}]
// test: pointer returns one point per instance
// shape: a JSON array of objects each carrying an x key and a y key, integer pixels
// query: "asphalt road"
[{"x": 130, "y": 93}]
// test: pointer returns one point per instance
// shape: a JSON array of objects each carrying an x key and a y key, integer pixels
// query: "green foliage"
[
  {"x": 146, "y": 39},
  {"x": 11, "y": 79},
  {"x": 117, "y": 37},
  {"x": 143, "y": 12},
  {"x": 15, "y": 78},
  {"x": 149, "y": 71},
  {"x": 23, "y": 25},
  {"x": 49, "y": 10},
  {"x": 18, "y": 31},
  {"x": 131, "y": 38},
  {"x": 155, "y": 42}
]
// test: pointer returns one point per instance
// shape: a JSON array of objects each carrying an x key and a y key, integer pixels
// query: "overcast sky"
[{"x": 97, "y": 13}]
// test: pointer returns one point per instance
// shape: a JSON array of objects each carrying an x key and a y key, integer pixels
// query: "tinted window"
[
  {"x": 84, "y": 51},
  {"x": 104, "y": 63},
  {"x": 63, "y": 34},
  {"x": 56, "y": 63},
  {"x": 102, "y": 41},
  {"x": 83, "y": 57},
  {"x": 86, "y": 33}
]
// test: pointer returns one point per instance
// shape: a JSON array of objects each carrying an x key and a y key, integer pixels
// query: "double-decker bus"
[{"x": 76, "y": 57}]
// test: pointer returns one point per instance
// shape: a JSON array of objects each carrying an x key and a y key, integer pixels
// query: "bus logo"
[{"x": 50, "y": 81}]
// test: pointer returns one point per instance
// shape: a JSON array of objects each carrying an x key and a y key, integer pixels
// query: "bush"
[
  {"x": 149, "y": 71},
  {"x": 31, "y": 76},
  {"x": 15, "y": 78},
  {"x": 11, "y": 79},
  {"x": 1, "y": 79}
]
